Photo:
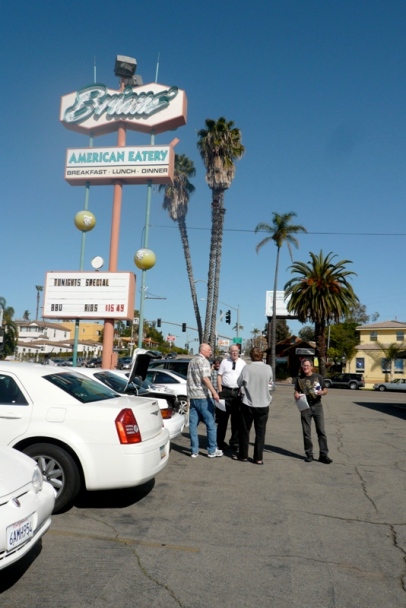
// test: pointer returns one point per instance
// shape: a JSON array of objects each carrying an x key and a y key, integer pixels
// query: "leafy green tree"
[
  {"x": 307, "y": 333},
  {"x": 176, "y": 201},
  {"x": 320, "y": 293},
  {"x": 10, "y": 337},
  {"x": 26, "y": 315},
  {"x": 281, "y": 231},
  {"x": 220, "y": 147}
]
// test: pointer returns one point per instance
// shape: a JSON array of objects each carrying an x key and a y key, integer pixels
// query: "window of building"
[
  {"x": 373, "y": 336},
  {"x": 398, "y": 366},
  {"x": 400, "y": 336},
  {"x": 360, "y": 364},
  {"x": 385, "y": 366}
]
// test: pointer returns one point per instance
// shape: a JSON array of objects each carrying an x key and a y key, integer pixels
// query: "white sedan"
[
  {"x": 80, "y": 432},
  {"x": 26, "y": 504},
  {"x": 118, "y": 381},
  {"x": 170, "y": 380}
]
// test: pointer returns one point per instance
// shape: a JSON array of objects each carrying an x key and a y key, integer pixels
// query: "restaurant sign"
[
  {"x": 147, "y": 108},
  {"x": 132, "y": 165},
  {"x": 89, "y": 295}
]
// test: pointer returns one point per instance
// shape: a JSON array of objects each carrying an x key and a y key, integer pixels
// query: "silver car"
[{"x": 395, "y": 385}]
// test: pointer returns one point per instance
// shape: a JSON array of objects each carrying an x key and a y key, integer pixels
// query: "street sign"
[
  {"x": 170, "y": 338},
  {"x": 305, "y": 351},
  {"x": 237, "y": 340}
]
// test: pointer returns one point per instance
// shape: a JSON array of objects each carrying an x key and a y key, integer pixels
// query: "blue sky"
[{"x": 318, "y": 89}]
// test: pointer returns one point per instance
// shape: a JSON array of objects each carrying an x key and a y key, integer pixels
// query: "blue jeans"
[{"x": 202, "y": 410}]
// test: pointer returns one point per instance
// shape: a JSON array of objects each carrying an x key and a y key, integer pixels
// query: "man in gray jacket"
[{"x": 254, "y": 382}]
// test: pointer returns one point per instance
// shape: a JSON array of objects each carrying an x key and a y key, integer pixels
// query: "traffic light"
[
  {"x": 158, "y": 323},
  {"x": 228, "y": 316},
  {"x": 183, "y": 326}
]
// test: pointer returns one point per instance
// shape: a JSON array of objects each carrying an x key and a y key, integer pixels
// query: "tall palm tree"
[
  {"x": 26, "y": 315},
  {"x": 10, "y": 336},
  {"x": 279, "y": 231},
  {"x": 320, "y": 293},
  {"x": 176, "y": 200},
  {"x": 219, "y": 146},
  {"x": 39, "y": 288}
]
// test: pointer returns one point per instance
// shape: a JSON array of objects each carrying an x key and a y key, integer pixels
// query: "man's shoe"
[
  {"x": 194, "y": 455},
  {"x": 325, "y": 459},
  {"x": 309, "y": 458},
  {"x": 215, "y": 454}
]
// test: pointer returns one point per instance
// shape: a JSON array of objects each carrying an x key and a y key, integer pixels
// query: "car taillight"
[
  {"x": 167, "y": 413},
  {"x": 127, "y": 427}
]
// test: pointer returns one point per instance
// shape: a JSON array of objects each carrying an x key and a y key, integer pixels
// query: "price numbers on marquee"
[{"x": 114, "y": 307}]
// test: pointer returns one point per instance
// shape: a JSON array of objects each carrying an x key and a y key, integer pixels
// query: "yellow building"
[
  {"x": 370, "y": 359},
  {"x": 87, "y": 331}
]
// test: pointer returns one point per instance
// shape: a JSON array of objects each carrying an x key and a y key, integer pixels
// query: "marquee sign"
[
  {"x": 97, "y": 109},
  {"x": 89, "y": 295},
  {"x": 281, "y": 305},
  {"x": 132, "y": 165}
]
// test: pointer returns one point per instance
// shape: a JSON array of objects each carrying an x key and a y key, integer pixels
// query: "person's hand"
[
  {"x": 216, "y": 397},
  {"x": 297, "y": 395}
]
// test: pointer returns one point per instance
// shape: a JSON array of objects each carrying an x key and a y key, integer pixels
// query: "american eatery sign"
[
  {"x": 132, "y": 165},
  {"x": 97, "y": 109}
]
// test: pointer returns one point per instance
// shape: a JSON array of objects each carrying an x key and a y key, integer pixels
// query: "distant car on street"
[
  {"x": 352, "y": 381},
  {"x": 171, "y": 355},
  {"x": 124, "y": 363},
  {"x": 94, "y": 362},
  {"x": 395, "y": 385}
]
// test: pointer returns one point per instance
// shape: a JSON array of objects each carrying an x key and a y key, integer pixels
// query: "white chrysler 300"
[{"x": 81, "y": 433}]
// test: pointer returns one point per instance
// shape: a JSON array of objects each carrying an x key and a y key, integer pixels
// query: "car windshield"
[{"x": 82, "y": 388}]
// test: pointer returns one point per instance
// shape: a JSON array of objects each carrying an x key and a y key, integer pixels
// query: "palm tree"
[
  {"x": 10, "y": 329},
  {"x": 176, "y": 200},
  {"x": 280, "y": 231},
  {"x": 26, "y": 315},
  {"x": 391, "y": 353},
  {"x": 39, "y": 288},
  {"x": 219, "y": 146},
  {"x": 237, "y": 327},
  {"x": 320, "y": 293}
]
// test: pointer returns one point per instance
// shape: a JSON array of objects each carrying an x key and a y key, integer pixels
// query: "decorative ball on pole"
[
  {"x": 145, "y": 259},
  {"x": 85, "y": 221}
]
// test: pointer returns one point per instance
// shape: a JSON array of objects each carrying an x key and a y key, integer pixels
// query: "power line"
[{"x": 301, "y": 236}]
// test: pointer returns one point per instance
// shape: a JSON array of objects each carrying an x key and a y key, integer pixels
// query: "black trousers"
[
  {"x": 314, "y": 412},
  {"x": 233, "y": 406},
  {"x": 258, "y": 416}
]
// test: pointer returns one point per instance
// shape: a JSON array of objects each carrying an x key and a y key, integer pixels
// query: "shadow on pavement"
[
  {"x": 113, "y": 499},
  {"x": 393, "y": 409},
  {"x": 277, "y": 450},
  {"x": 12, "y": 574}
]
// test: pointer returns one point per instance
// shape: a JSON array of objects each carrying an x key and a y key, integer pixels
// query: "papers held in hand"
[{"x": 302, "y": 403}]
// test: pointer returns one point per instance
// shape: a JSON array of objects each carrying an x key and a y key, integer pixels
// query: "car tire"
[
  {"x": 381, "y": 388},
  {"x": 182, "y": 405},
  {"x": 59, "y": 469},
  {"x": 327, "y": 384},
  {"x": 353, "y": 386}
]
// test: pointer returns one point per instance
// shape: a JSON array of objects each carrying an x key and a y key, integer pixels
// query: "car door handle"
[{"x": 10, "y": 415}]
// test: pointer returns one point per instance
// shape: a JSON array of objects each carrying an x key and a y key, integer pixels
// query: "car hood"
[{"x": 16, "y": 470}]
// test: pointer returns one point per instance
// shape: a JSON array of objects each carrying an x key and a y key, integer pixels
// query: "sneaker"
[
  {"x": 215, "y": 454},
  {"x": 325, "y": 459},
  {"x": 194, "y": 455}
]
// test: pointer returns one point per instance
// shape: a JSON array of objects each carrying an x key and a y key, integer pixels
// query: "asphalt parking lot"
[{"x": 215, "y": 533}]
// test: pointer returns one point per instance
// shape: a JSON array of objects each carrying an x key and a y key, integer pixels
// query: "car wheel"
[
  {"x": 327, "y": 383},
  {"x": 182, "y": 405},
  {"x": 353, "y": 386},
  {"x": 382, "y": 388},
  {"x": 59, "y": 469}
]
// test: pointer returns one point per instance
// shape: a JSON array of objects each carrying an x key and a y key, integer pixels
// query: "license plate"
[
  {"x": 20, "y": 532},
  {"x": 162, "y": 451}
]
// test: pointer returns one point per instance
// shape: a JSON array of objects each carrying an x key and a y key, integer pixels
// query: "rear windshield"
[
  {"x": 82, "y": 388},
  {"x": 116, "y": 383}
]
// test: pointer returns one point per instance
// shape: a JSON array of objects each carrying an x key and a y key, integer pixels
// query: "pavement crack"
[
  {"x": 397, "y": 545},
  {"x": 364, "y": 488}
]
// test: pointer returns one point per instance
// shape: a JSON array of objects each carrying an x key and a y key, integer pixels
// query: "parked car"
[
  {"x": 175, "y": 365},
  {"x": 69, "y": 362},
  {"x": 395, "y": 385},
  {"x": 171, "y": 355},
  {"x": 117, "y": 381},
  {"x": 170, "y": 380},
  {"x": 81, "y": 433},
  {"x": 352, "y": 381},
  {"x": 94, "y": 362},
  {"x": 26, "y": 504},
  {"x": 156, "y": 354},
  {"x": 124, "y": 363}
]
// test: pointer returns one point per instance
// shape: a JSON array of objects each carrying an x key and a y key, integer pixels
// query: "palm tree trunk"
[
  {"x": 216, "y": 291},
  {"x": 188, "y": 259},
  {"x": 273, "y": 325},
  {"x": 212, "y": 269},
  {"x": 321, "y": 346}
]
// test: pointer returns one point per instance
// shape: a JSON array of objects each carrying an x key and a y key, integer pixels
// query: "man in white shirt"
[{"x": 228, "y": 374}]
